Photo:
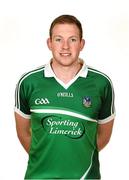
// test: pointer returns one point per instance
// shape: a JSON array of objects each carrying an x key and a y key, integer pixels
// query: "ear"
[
  {"x": 82, "y": 44},
  {"x": 49, "y": 43}
]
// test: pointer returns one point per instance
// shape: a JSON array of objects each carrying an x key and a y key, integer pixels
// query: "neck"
[{"x": 66, "y": 73}]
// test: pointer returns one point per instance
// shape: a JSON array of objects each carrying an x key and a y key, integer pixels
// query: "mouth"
[{"x": 65, "y": 54}]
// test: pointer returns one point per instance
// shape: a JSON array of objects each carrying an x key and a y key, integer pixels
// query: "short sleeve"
[
  {"x": 107, "y": 112},
  {"x": 21, "y": 100}
]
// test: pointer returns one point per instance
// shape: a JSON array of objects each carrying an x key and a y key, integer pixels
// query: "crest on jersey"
[{"x": 87, "y": 101}]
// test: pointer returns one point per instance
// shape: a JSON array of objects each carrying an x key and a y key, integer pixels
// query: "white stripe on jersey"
[
  {"x": 84, "y": 176},
  {"x": 58, "y": 111},
  {"x": 98, "y": 72},
  {"x": 17, "y": 94}
]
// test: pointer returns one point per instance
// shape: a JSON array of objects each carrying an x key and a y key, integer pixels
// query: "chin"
[
  {"x": 66, "y": 64},
  {"x": 64, "y": 61}
]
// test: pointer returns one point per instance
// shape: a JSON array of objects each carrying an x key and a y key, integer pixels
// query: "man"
[{"x": 64, "y": 110}]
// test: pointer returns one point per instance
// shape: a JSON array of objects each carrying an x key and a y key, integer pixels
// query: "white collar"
[{"x": 48, "y": 72}]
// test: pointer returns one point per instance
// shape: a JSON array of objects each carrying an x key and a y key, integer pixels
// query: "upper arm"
[
  {"x": 22, "y": 113},
  {"x": 106, "y": 129},
  {"x": 103, "y": 134},
  {"x": 23, "y": 131},
  {"x": 106, "y": 114},
  {"x": 22, "y": 125}
]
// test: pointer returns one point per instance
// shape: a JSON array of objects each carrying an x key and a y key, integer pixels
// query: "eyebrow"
[
  {"x": 62, "y": 36},
  {"x": 57, "y": 36}
]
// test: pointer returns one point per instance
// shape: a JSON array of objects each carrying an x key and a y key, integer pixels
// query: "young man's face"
[{"x": 65, "y": 44}]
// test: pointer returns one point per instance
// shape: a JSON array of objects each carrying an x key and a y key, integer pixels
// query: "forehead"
[{"x": 63, "y": 29}]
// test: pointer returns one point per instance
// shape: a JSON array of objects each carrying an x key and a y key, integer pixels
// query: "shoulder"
[
  {"x": 98, "y": 76},
  {"x": 30, "y": 76}
]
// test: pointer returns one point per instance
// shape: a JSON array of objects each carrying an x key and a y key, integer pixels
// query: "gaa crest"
[{"x": 87, "y": 101}]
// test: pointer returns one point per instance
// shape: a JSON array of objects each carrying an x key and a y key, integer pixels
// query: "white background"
[{"x": 23, "y": 32}]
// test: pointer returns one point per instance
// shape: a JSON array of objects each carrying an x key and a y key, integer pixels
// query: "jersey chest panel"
[{"x": 62, "y": 120}]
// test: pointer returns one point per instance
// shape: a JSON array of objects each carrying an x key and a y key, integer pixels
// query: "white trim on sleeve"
[
  {"x": 106, "y": 120},
  {"x": 26, "y": 116}
]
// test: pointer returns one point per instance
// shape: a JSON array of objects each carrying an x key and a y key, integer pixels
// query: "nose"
[{"x": 65, "y": 45}]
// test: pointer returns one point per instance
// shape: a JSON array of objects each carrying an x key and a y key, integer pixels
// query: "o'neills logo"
[
  {"x": 57, "y": 126},
  {"x": 65, "y": 94}
]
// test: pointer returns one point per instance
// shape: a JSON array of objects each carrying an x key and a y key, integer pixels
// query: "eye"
[
  {"x": 73, "y": 39},
  {"x": 57, "y": 39}
]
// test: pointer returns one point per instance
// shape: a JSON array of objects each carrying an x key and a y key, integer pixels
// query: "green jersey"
[{"x": 64, "y": 119}]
